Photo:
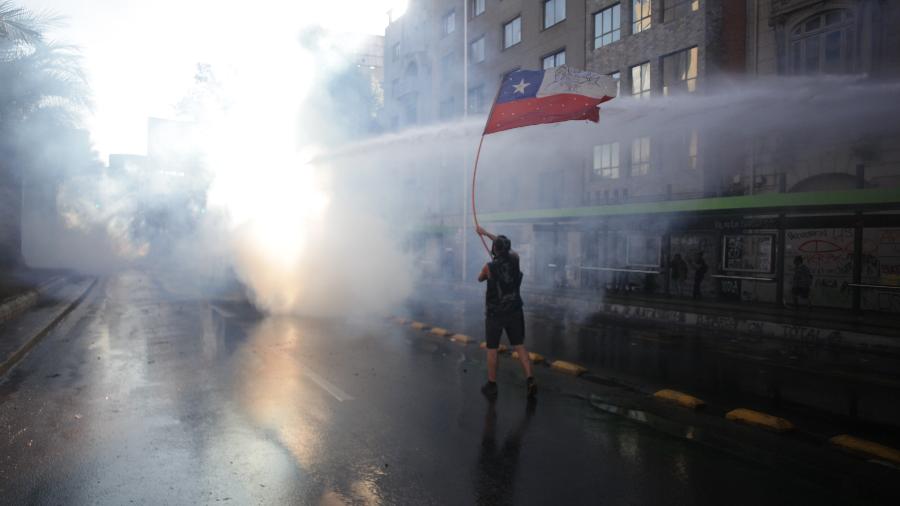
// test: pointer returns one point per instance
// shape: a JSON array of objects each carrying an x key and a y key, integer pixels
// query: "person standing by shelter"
[
  {"x": 801, "y": 282},
  {"x": 503, "y": 310},
  {"x": 699, "y": 273}
]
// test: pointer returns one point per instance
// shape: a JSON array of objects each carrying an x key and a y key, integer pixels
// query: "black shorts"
[{"x": 513, "y": 324}]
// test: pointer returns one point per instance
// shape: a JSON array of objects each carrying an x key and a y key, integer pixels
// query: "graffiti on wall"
[
  {"x": 881, "y": 266},
  {"x": 828, "y": 252}
]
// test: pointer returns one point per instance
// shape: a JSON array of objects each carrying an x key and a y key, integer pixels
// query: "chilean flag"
[{"x": 532, "y": 97}]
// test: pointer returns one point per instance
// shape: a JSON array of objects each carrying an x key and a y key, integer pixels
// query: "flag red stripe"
[{"x": 534, "y": 111}]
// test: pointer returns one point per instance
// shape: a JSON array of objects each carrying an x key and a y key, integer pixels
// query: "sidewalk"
[
  {"x": 28, "y": 316},
  {"x": 689, "y": 346}
]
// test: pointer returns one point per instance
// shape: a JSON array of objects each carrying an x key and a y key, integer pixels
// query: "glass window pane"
[
  {"x": 692, "y": 63},
  {"x": 812, "y": 24},
  {"x": 811, "y": 58}
]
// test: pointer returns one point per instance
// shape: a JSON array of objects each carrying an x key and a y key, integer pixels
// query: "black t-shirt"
[{"x": 502, "y": 296}]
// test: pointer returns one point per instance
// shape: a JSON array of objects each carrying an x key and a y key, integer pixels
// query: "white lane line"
[{"x": 324, "y": 384}]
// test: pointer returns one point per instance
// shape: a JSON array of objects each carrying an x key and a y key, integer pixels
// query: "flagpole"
[{"x": 478, "y": 156}]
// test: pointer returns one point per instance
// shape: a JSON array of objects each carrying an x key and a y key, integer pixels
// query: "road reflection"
[
  {"x": 497, "y": 464},
  {"x": 289, "y": 401}
]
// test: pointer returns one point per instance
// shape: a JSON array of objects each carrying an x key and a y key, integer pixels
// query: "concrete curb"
[
  {"x": 568, "y": 367},
  {"x": 23, "y": 350},
  {"x": 18, "y": 304},
  {"x": 866, "y": 448},
  {"x": 759, "y": 419},
  {"x": 680, "y": 398}
]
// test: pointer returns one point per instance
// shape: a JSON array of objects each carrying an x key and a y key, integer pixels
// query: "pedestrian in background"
[
  {"x": 700, "y": 269},
  {"x": 801, "y": 282},
  {"x": 678, "y": 269},
  {"x": 503, "y": 310}
]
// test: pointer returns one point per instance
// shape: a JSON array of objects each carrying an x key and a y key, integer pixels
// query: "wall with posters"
[
  {"x": 881, "y": 266},
  {"x": 828, "y": 252}
]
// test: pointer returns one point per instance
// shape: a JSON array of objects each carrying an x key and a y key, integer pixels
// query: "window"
[
  {"x": 447, "y": 64},
  {"x": 607, "y": 26},
  {"x": 640, "y": 80},
  {"x": 693, "y": 149},
  {"x": 449, "y": 23},
  {"x": 618, "y": 77},
  {"x": 554, "y": 12},
  {"x": 512, "y": 32},
  {"x": 395, "y": 52},
  {"x": 476, "y": 99},
  {"x": 477, "y": 7},
  {"x": 640, "y": 15},
  {"x": 476, "y": 50},
  {"x": 640, "y": 156},
  {"x": 674, "y": 9},
  {"x": 412, "y": 70},
  {"x": 680, "y": 149},
  {"x": 448, "y": 108},
  {"x": 823, "y": 44},
  {"x": 606, "y": 160},
  {"x": 411, "y": 112},
  {"x": 680, "y": 71},
  {"x": 554, "y": 60}
]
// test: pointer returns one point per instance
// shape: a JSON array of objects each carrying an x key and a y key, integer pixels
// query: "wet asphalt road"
[{"x": 145, "y": 395}]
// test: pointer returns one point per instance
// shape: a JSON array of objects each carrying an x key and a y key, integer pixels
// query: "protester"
[{"x": 503, "y": 310}]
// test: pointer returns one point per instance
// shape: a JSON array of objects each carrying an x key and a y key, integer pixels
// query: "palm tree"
[
  {"x": 18, "y": 24},
  {"x": 42, "y": 96}
]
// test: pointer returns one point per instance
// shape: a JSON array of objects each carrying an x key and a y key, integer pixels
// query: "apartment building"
[{"x": 609, "y": 212}]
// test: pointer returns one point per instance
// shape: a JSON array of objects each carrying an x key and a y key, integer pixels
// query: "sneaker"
[
  {"x": 531, "y": 386},
  {"x": 489, "y": 390}
]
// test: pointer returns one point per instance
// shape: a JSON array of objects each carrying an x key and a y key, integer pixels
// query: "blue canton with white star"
[{"x": 520, "y": 84}]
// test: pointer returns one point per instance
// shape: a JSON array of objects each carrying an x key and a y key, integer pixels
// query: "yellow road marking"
[
  {"x": 568, "y": 367},
  {"x": 760, "y": 419},
  {"x": 866, "y": 447},
  {"x": 680, "y": 398}
]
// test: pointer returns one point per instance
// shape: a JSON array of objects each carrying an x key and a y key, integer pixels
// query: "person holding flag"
[{"x": 526, "y": 97}]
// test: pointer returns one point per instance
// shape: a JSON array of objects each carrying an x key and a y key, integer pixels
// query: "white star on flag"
[{"x": 520, "y": 88}]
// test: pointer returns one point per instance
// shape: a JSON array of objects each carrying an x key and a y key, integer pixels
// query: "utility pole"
[{"x": 465, "y": 172}]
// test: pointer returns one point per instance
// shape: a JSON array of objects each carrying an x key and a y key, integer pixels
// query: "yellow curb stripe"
[
  {"x": 760, "y": 419},
  {"x": 462, "y": 339},
  {"x": 868, "y": 448},
  {"x": 536, "y": 358},
  {"x": 568, "y": 368},
  {"x": 438, "y": 331},
  {"x": 399, "y": 321},
  {"x": 418, "y": 325},
  {"x": 680, "y": 398}
]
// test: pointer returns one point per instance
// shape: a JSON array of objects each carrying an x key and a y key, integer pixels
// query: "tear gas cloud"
[{"x": 258, "y": 206}]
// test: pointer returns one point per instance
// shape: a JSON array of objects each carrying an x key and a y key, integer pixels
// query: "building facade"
[{"x": 608, "y": 211}]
